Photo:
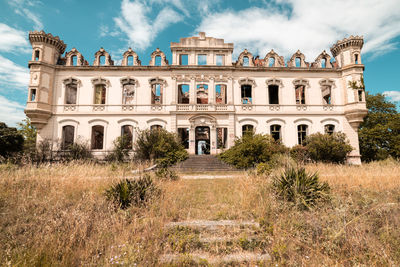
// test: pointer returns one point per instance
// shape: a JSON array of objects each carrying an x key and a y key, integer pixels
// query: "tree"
[
  {"x": 29, "y": 132},
  {"x": 379, "y": 134},
  {"x": 11, "y": 141}
]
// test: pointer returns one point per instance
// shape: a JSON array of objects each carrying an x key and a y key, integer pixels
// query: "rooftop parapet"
[
  {"x": 42, "y": 37},
  {"x": 202, "y": 42},
  {"x": 352, "y": 41}
]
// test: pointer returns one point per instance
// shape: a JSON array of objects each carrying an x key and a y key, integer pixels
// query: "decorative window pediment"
[
  {"x": 131, "y": 53},
  {"x": 274, "y": 81},
  {"x": 100, "y": 53},
  {"x": 158, "y": 52},
  {"x": 298, "y": 55},
  {"x": 323, "y": 57},
  {"x": 240, "y": 61},
  {"x": 278, "y": 60},
  {"x": 301, "y": 82},
  {"x": 248, "y": 81},
  {"x": 80, "y": 61}
]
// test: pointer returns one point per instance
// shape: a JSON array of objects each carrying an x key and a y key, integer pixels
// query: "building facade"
[{"x": 203, "y": 96}]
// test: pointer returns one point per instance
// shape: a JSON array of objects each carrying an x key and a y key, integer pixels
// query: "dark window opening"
[
  {"x": 202, "y": 94},
  {"x": 183, "y": 94},
  {"x": 127, "y": 134},
  {"x": 326, "y": 94},
  {"x": 360, "y": 95},
  {"x": 220, "y": 94},
  {"x": 74, "y": 60},
  {"x": 202, "y": 60},
  {"x": 71, "y": 93},
  {"x": 222, "y": 136},
  {"x": 33, "y": 95},
  {"x": 183, "y": 134},
  {"x": 245, "y": 61},
  {"x": 68, "y": 132},
  {"x": 356, "y": 58},
  {"x": 97, "y": 137},
  {"x": 298, "y": 62},
  {"x": 155, "y": 127},
  {"x": 129, "y": 61},
  {"x": 246, "y": 94},
  {"x": 183, "y": 59},
  {"x": 102, "y": 60},
  {"x": 37, "y": 53},
  {"x": 100, "y": 94},
  {"x": 276, "y": 132},
  {"x": 329, "y": 129},
  {"x": 220, "y": 60},
  {"x": 271, "y": 62},
  {"x": 128, "y": 94},
  {"x": 273, "y": 94},
  {"x": 323, "y": 63},
  {"x": 156, "y": 94},
  {"x": 302, "y": 134},
  {"x": 300, "y": 95},
  {"x": 247, "y": 129},
  {"x": 157, "y": 61}
]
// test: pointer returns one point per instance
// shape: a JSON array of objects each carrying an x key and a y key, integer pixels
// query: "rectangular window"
[
  {"x": 33, "y": 95},
  {"x": 100, "y": 94},
  {"x": 300, "y": 95},
  {"x": 183, "y": 94},
  {"x": 127, "y": 134},
  {"x": 183, "y": 59},
  {"x": 183, "y": 134},
  {"x": 220, "y": 60},
  {"x": 156, "y": 94},
  {"x": 273, "y": 94},
  {"x": 201, "y": 60},
  {"x": 128, "y": 94},
  {"x": 246, "y": 94},
  {"x": 97, "y": 137},
  {"x": 157, "y": 61},
  {"x": 329, "y": 129},
  {"x": 220, "y": 94},
  {"x": 302, "y": 134},
  {"x": 360, "y": 95},
  {"x": 276, "y": 132},
  {"x": 222, "y": 136},
  {"x": 326, "y": 94},
  {"x": 71, "y": 92},
  {"x": 67, "y": 136}
]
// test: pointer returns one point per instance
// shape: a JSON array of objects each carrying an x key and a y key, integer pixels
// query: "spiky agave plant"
[{"x": 299, "y": 187}]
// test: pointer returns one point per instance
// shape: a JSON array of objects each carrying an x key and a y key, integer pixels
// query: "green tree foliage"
[
  {"x": 379, "y": 134},
  {"x": 331, "y": 148},
  {"x": 160, "y": 146},
  {"x": 29, "y": 133},
  {"x": 11, "y": 141},
  {"x": 120, "y": 152},
  {"x": 252, "y": 149}
]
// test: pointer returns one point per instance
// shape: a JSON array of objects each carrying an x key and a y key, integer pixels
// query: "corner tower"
[{"x": 46, "y": 51}]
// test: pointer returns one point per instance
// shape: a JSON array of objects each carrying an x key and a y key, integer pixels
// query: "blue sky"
[{"x": 258, "y": 25}]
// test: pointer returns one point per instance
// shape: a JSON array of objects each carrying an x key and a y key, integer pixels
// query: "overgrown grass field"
[{"x": 59, "y": 215}]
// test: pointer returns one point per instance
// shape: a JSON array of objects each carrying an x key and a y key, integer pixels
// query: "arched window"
[
  {"x": 155, "y": 127},
  {"x": 329, "y": 128},
  {"x": 129, "y": 60},
  {"x": 127, "y": 134},
  {"x": 273, "y": 94},
  {"x": 245, "y": 61},
  {"x": 300, "y": 94},
  {"x": 323, "y": 63},
  {"x": 302, "y": 133},
  {"x": 74, "y": 60},
  {"x": 271, "y": 62},
  {"x": 37, "y": 54},
  {"x": 100, "y": 94},
  {"x": 276, "y": 132},
  {"x": 97, "y": 137},
  {"x": 102, "y": 60},
  {"x": 356, "y": 58},
  {"x": 298, "y": 62},
  {"x": 202, "y": 94},
  {"x": 246, "y": 91},
  {"x": 128, "y": 93},
  {"x": 183, "y": 94},
  {"x": 68, "y": 132},
  {"x": 247, "y": 129},
  {"x": 220, "y": 94},
  {"x": 158, "y": 61}
]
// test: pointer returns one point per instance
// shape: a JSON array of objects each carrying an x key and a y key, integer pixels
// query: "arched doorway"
[{"x": 202, "y": 140}]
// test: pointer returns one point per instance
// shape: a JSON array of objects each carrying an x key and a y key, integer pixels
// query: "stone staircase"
[
  {"x": 203, "y": 163},
  {"x": 214, "y": 243}
]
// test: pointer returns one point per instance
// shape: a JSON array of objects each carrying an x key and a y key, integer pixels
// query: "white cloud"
[
  {"x": 13, "y": 40},
  {"x": 311, "y": 26},
  {"x": 393, "y": 95},
  {"x": 11, "y": 112},
  {"x": 136, "y": 23},
  {"x": 13, "y": 75},
  {"x": 23, "y": 8}
]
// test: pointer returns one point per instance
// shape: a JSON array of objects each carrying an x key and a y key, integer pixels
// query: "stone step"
[
  {"x": 203, "y": 163},
  {"x": 242, "y": 257}
]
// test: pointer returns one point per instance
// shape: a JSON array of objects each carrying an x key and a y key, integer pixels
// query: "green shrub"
[
  {"x": 300, "y": 188},
  {"x": 11, "y": 141},
  {"x": 120, "y": 152},
  {"x": 166, "y": 174},
  {"x": 252, "y": 149},
  {"x": 138, "y": 192},
  {"x": 300, "y": 154},
  {"x": 80, "y": 150},
  {"x": 263, "y": 168},
  {"x": 328, "y": 147},
  {"x": 160, "y": 146}
]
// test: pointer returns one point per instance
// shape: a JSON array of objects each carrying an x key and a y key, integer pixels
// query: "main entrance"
[{"x": 202, "y": 140}]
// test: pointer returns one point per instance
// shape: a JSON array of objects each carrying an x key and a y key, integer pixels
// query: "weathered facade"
[{"x": 203, "y": 96}]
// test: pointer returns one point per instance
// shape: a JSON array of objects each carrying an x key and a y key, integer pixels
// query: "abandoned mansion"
[{"x": 203, "y": 95}]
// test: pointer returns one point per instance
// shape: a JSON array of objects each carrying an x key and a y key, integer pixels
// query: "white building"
[{"x": 203, "y": 96}]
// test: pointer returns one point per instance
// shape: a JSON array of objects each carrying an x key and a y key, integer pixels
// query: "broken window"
[
  {"x": 129, "y": 60},
  {"x": 201, "y": 60},
  {"x": 183, "y": 94},
  {"x": 356, "y": 58},
  {"x": 247, "y": 129},
  {"x": 156, "y": 94},
  {"x": 271, "y": 62},
  {"x": 128, "y": 93},
  {"x": 220, "y": 60},
  {"x": 220, "y": 94},
  {"x": 127, "y": 133},
  {"x": 97, "y": 137},
  {"x": 273, "y": 94},
  {"x": 326, "y": 94},
  {"x": 323, "y": 63},
  {"x": 73, "y": 60},
  {"x": 245, "y": 61},
  {"x": 37, "y": 53},
  {"x": 71, "y": 90},
  {"x": 360, "y": 95},
  {"x": 297, "y": 62},
  {"x": 329, "y": 128},
  {"x": 157, "y": 61},
  {"x": 100, "y": 94},
  {"x": 68, "y": 132},
  {"x": 202, "y": 94},
  {"x": 183, "y": 134},
  {"x": 222, "y": 136},
  {"x": 246, "y": 94},
  {"x": 183, "y": 59},
  {"x": 33, "y": 95},
  {"x": 300, "y": 95},
  {"x": 102, "y": 60},
  {"x": 276, "y": 132},
  {"x": 302, "y": 134},
  {"x": 155, "y": 127}
]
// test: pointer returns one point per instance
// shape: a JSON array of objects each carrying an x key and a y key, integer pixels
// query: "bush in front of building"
[
  {"x": 11, "y": 141},
  {"x": 329, "y": 148},
  {"x": 120, "y": 152},
  {"x": 160, "y": 146},
  {"x": 299, "y": 154},
  {"x": 252, "y": 149}
]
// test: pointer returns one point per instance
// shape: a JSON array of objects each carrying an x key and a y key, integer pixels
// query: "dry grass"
[{"x": 58, "y": 215}]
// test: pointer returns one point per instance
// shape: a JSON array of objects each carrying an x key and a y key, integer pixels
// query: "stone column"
[
  {"x": 192, "y": 90},
  {"x": 230, "y": 91},
  {"x": 213, "y": 140},
  {"x": 211, "y": 91},
  {"x": 231, "y": 130},
  {"x": 192, "y": 142},
  {"x": 174, "y": 92}
]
